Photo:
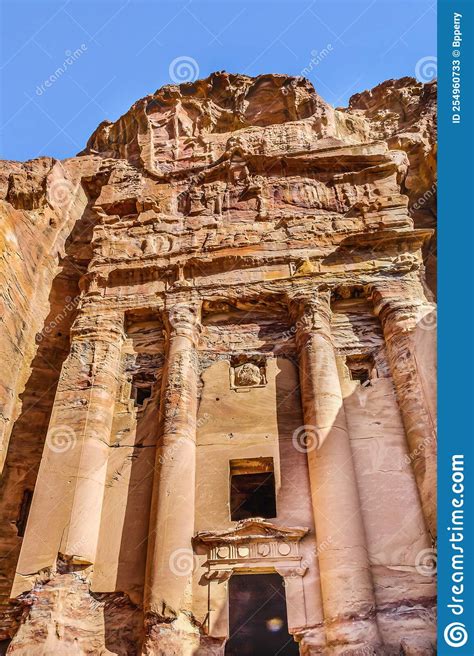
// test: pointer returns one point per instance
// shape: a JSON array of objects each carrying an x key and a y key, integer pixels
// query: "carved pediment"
[
  {"x": 251, "y": 530},
  {"x": 253, "y": 544}
]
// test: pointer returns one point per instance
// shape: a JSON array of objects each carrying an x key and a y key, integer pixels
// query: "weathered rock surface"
[{"x": 232, "y": 277}]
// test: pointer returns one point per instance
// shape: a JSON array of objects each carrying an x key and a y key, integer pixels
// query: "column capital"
[
  {"x": 311, "y": 312},
  {"x": 183, "y": 317},
  {"x": 400, "y": 304},
  {"x": 106, "y": 326}
]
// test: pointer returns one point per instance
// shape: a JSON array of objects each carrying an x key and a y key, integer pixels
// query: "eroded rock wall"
[{"x": 165, "y": 295}]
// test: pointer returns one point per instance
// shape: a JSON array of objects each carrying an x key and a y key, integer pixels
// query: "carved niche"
[{"x": 247, "y": 372}]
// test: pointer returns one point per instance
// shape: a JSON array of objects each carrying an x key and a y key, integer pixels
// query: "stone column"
[
  {"x": 94, "y": 424},
  {"x": 408, "y": 321},
  {"x": 70, "y": 486},
  {"x": 170, "y": 553},
  {"x": 346, "y": 581}
]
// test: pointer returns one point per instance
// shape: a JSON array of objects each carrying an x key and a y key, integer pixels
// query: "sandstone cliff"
[{"x": 239, "y": 193}]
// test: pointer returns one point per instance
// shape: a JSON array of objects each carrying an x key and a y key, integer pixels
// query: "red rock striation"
[{"x": 234, "y": 279}]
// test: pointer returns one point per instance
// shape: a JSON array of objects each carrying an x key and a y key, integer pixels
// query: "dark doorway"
[
  {"x": 4, "y": 646},
  {"x": 257, "y": 617}
]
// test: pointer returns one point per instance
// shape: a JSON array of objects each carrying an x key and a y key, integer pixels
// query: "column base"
[
  {"x": 353, "y": 637},
  {"x": 355, "y": 650},
  {"x": 170, "y": 638},
  {"x": 418, "y": 647},
  {"x": 311, "y": 642},
  {"x": 405, "y": 649},
  {"x": 211, "y": 646},
  {"x": 62, "y": 617}
]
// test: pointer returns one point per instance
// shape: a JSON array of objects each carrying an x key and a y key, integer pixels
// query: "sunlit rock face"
[{"x": 217, "y": 340}]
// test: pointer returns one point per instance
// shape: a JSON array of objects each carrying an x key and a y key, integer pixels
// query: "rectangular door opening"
[{"x": 258, "y": 624}]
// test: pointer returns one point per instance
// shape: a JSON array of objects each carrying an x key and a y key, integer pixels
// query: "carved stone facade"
[{"x": 232, "y": 283}]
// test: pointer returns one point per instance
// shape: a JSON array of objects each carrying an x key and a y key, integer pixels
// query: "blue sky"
[{"x": 112, "y": 52}]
